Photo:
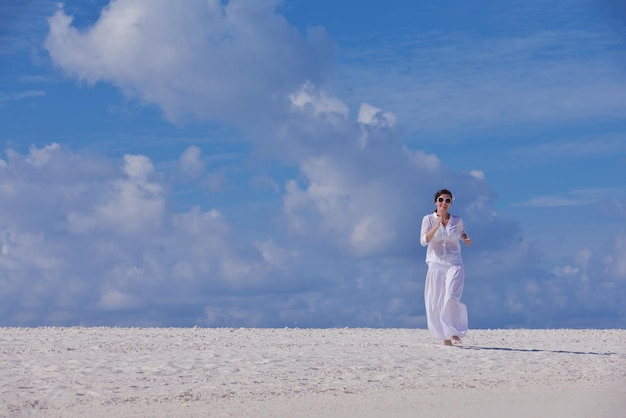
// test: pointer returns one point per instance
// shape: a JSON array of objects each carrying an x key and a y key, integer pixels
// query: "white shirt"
[{"x": 444, "y": 247}]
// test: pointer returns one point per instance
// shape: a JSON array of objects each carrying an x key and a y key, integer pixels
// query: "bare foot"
[{"x": 456, "y": 340}]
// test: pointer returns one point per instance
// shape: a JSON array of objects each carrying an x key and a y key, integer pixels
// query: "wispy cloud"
[
  {"x": 578, "y": 152},
  {"x": 461, "y": 81},
  {"x": 598, "y": 145},
  {"x": 582, "y": 197},
  {"x": 9, "y": 97},
  {"x": 22, "y": 25}
]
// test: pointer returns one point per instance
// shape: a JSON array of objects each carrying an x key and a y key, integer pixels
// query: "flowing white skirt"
[{"x": 445, "y": 313}]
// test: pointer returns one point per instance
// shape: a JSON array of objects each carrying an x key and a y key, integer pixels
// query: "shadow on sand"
[{"x": 533, "y": 350}]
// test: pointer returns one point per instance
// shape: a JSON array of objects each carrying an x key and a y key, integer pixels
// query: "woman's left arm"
[{"x": 463, "y": 236}]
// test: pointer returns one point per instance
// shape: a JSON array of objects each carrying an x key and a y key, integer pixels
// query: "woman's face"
[{"x": 443, "y": 202}]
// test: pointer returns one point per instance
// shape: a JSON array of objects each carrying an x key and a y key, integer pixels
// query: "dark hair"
[
  {"x": 439, "y": 193},
  {"x": 443, "y": 191}
]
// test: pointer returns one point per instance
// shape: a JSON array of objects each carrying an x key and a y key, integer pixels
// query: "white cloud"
[
  {"x": 343, "y": 210},
  {"x": 478, "y": 174},
  {"x": 208, "y": 252},
  {"x": 354, "y": 244},
  {"x": 319, "y": 101},
  {"x": 421, "y": 159},
  {"x": 103, "y": 240},
  {"x": 190, "y": 162},
  {"x": 206, "y": 59},
  {"x": 373, "y": 116},
  {"x": 24, "y": 247},
  {"x": 358, "y": 187},
  {"x": 39, "y": 156},
  {"x": 132, "y": 204},
  {"x": 276, "y": 256},
  {"x": 351, "y": 208}
]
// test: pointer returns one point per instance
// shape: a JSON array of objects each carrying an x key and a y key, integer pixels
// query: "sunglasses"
[{"x": 441, "y": 199}]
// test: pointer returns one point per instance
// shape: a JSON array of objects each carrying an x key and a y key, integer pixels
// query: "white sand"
[{"x": 123, "y": 372}]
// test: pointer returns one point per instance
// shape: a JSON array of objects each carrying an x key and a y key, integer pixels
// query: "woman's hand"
[
  {"x": 431, "y": 233},
  {"x": 468, "y": 241}
]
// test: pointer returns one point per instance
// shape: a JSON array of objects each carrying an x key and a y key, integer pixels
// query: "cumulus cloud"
[
  {"x": 97, "y": 260},
  {"x": 344, "y": 198},
  {"x": 319, "y": 102},
  {"x": 346, "y": 212},
  {"x": 107, "y": 242},
  {"x": 205, "y": 59},
  {"x": 134, "y": 203},
  {"x": 353, "y": 243},
  {"x": 275, "y": 255},
  {"x": 373, "y": 116},
  {"x": 360, "y": 191}
]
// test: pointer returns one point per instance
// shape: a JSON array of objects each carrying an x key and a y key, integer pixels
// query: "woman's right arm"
[{"x": 428, "y": 232}]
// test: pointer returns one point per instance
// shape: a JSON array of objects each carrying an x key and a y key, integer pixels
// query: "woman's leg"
[
  {"x": 434, "y": 297},
  {"x": 454, "y": 312}
]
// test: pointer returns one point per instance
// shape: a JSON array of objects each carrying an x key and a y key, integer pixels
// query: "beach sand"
[{"x": 343, "y": 372}]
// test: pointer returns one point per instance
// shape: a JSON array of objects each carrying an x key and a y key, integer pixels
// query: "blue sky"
[{"x": 266, "y": 164}]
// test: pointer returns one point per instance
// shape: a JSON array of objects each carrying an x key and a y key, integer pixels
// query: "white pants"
[{"x": 445, "y": 313}]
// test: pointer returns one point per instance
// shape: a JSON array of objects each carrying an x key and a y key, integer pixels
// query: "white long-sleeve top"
[{"x": 444, "y": 247}]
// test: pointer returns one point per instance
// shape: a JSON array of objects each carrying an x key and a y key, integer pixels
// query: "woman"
[{"x": 445, "y": 313}]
